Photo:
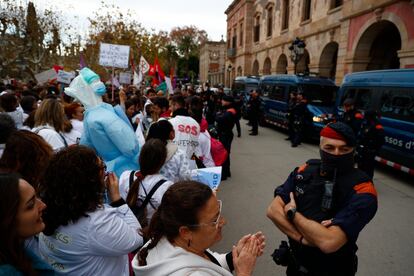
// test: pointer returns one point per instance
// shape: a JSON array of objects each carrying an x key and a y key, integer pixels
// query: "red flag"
[{"x": 161, "y": 75}]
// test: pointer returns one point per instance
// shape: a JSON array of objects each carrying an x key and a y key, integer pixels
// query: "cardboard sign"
[
  {"x": 64, "y": 77},
  {"x": 113, "y": 55},
  {"x": 125, "y": 78},
  {"x": 46, "y": 76}
]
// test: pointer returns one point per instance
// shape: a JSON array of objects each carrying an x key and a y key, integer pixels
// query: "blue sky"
[{"x": 153, "y": 14}]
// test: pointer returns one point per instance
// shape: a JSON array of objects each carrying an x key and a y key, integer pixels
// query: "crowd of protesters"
[{"x": 64, "y": 213}]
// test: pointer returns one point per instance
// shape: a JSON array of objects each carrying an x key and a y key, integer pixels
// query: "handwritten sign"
[
  {"x": 113, "y": 55},
  {"x": 46, "y": 76},
  {"x": 65, "y": 77},
  {"x": 125, "y": 78}
]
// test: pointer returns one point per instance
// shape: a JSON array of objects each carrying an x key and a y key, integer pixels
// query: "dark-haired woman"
[
  {"x": 176, "y": 167},
  {"x": 20, "y": 219},
  {"x": 74, "y": 112},
  {"x": 82, "y": 235},
  {"x": 187, "y": 223},
  {"x": 135, "y": 188},
  {"x": 28, "y": 154}
]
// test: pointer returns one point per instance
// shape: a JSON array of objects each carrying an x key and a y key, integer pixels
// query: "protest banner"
[
  {"x": 46, "y": 76},
  {"x": 113, "y": 55},
  {"x": 210, "y": 176},
  {"x": 64, "y": 77},
  {"x": 169, "y": 85},
  {"x": 125, "y": 78}
]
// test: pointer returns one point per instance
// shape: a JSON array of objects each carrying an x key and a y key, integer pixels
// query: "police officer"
[
  {"x": 299, "y": 116},
  {"x": 225, "y": 123},
  {"x": 254, "y": 112},
  {"x": 289, "y": 115},
  {"x": 351, "y": 116},
  {"x": 323, "y": 206},
  {"x": 370, "y": 140}
]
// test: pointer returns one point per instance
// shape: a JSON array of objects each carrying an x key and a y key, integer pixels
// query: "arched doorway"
[
  {"x": 327, "y": 63},
  {"x": 281, "y": 66},
  {"x": 255, "y": 69},
  {"x": 239, "y": 71},
  {"x": 377, "y": 48},
  {"x": 266, "y": 66},
  {"x": 303, "y": 64}
]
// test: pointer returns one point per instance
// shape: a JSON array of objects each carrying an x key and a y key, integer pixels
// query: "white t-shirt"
[
  {"x": 77, "y": 125},
  {"x": 187, "y": 131},
  {"x": 50, "y": 135},
  {"x": 177, "y": 165},
  {"x": 95, "y": 245},
  {"x": 73, "y": 137},
  {"x": 144, "y": 189}
]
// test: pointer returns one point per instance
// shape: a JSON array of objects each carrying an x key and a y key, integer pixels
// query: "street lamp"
[
  {"x": 229, "y": 68},
  {"x": 297, "y": 49}
]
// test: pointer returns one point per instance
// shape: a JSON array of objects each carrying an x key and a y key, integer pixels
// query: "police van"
[
  {"x": 391, "y": 93},
  {"x": 242, "y": 86},
  {"x": 275, "y": 90}
]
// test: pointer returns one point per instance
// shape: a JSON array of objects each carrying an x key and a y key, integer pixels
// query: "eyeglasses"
[{"x": 215, "y": 223}]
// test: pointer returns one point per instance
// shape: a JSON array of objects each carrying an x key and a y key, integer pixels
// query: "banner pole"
[{"x": 112, "y": 82}]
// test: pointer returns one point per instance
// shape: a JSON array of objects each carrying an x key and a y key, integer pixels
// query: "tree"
[{"x": 188, "y": 39}]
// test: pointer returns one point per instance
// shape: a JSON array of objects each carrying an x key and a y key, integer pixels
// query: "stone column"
[{"x": 406, "y": 58}]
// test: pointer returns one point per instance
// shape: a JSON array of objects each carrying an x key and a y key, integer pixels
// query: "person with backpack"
[
  {"x": 143, "y": 190},
  {"x": 177, "y": 165}
]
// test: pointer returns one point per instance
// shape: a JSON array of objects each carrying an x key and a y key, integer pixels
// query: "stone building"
[
  {"x": 341, "y": 36},
  {"x": 212, "y": 59}
]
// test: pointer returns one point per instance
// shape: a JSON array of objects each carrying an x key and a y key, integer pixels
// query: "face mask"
[{"x": 341, "y": 163}]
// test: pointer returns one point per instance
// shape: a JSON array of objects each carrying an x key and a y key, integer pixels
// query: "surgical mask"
[{"x": 342, "y": 163}]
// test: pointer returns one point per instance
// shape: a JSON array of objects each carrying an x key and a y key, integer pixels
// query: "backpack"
[
  {"x": 140, "y": 211},
  {"x": 218, "y": 152}
]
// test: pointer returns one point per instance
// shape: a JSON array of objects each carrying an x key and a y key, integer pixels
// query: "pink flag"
[{"x": 82, "y": 62}]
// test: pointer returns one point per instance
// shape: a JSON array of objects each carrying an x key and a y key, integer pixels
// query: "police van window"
[
  {"x": 361, "y": 96},
  {"x": 319, "y": 94},
  {"x": 266, "y": 89},
  {"x": 278, "y": 93},
  {"x": 398, "y": 103},
  {"x": 363, "y": 100}
]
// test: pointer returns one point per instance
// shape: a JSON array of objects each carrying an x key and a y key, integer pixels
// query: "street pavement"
[{"x": 260, "y": 163}]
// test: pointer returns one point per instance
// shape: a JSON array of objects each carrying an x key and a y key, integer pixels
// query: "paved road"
[{"x": 260, "y": 163}]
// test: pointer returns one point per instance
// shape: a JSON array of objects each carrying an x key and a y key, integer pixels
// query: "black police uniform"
[
  {"x": 299, "y": 115},
  {"x": 370, "y": 140},
  {"x": 225, "y": 123},
  {"x": 289, "y": 116},
  {"x": 352, "y": 118},
  {"x": 254, "y": 113},
  {"x": 354, "y": 204}
]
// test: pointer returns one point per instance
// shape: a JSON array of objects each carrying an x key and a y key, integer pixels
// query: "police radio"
[{"x": 326, "y": 204}]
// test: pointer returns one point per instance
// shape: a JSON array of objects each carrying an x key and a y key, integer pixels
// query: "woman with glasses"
[
  {"x": 84, "y": 236},
  {"x": 186, "y": 224}
]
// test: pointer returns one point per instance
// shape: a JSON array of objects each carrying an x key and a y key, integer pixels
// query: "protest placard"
[
  {"x": 64, "y": 77},
  {"x": 125, "y": 78},
  {"x": 113, "y": 55},
  {"x": 210, "y": 176},
  {"x": 46, "y": 76}
]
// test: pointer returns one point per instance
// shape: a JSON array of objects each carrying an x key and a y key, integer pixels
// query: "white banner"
[
  {"x": 46, "y": 76},
  {"x": 65, "y": 77},
  {"x": 144, "y": 66},
  {"x": 125, "y": 78},
  {"x": 113, "y": 55},
  {"x": 169, "y": 85}
]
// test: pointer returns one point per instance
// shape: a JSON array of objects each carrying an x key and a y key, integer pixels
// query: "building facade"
[
  {"x": 341, "y": 36},
  {"x": 212, "y": 60}
]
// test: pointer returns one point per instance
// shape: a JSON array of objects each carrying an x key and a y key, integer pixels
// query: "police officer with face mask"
[{"x": 322, "y": 207}]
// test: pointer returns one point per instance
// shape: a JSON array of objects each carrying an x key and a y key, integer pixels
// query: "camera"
[{"x": 281, "y": 255}]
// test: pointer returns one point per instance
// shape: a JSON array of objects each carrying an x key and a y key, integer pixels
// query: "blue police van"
[
  {"x": 241, "y": 88},
  {"x": 275, "y": 90},
  {"x": 391, "y": 93}
]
